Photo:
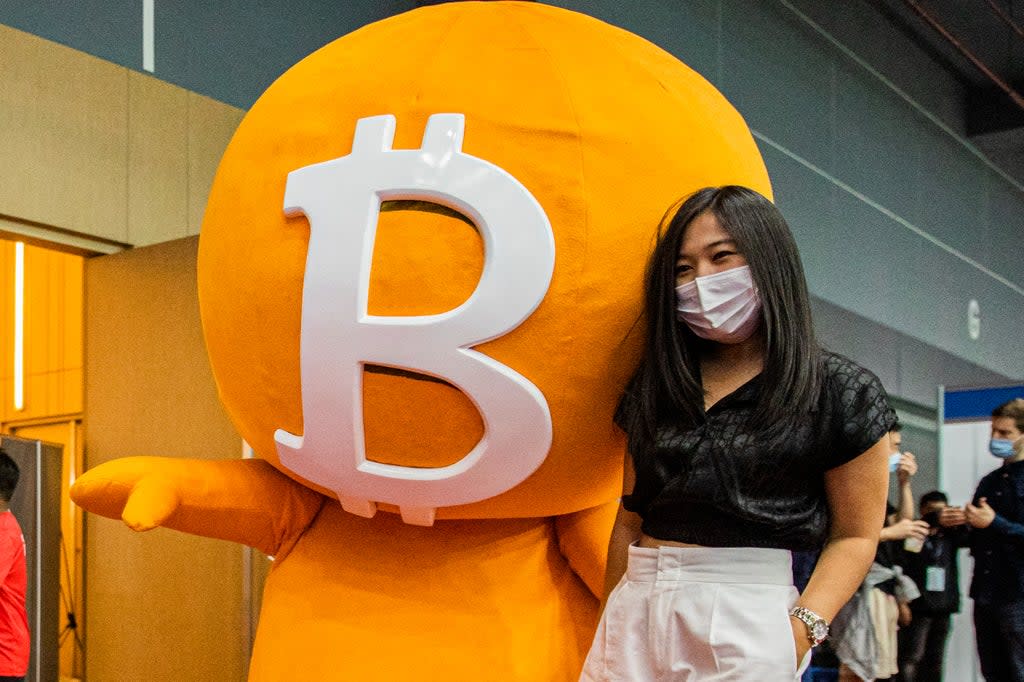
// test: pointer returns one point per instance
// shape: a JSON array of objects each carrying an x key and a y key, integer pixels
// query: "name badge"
[{"x": 935, "y": 579}]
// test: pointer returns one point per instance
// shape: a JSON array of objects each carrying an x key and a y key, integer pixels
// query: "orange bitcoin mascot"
[{"x": 419, "y": 278}]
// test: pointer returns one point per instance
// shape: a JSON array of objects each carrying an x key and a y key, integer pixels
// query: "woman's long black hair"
[{"x": 666, "y": 386}]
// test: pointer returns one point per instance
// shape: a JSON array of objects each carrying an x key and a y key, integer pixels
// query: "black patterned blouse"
[{"x": 720, "y": 485}]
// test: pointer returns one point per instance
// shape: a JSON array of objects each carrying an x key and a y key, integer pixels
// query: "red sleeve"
[{"x": 10, "y": 549}]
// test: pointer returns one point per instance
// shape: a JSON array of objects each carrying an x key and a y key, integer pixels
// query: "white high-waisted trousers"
[{"x": 697, "y": 614}]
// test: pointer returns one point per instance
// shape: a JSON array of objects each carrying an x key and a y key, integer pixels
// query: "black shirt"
[
  {"x": 939, "y": 551},
  {"x": 719, "y": 484},
  {"x": 888, "y": 554},
  {"x": 999, "y": 549}
]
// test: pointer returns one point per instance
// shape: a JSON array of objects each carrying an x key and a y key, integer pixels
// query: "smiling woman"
[
  {"x": 714, "y": 285},
  {"x": 746, "y": 441}
]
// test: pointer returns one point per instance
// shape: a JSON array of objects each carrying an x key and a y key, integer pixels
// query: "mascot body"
[{"x": 420, "y": 271}]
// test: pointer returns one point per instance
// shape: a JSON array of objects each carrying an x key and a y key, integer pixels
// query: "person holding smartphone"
[{"x": 936, "y": 571}]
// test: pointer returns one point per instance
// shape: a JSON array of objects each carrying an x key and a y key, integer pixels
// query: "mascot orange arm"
[{"x": 227, "y": 500}]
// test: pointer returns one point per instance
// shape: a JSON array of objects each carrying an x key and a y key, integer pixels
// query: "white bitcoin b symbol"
[{"x": 341, "y": 199}]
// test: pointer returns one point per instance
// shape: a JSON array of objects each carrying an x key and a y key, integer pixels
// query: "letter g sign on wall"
[{"x": 341, "y": 199}]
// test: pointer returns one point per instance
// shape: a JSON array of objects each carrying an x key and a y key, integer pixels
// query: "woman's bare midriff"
[{"x": 647, "y": 541}]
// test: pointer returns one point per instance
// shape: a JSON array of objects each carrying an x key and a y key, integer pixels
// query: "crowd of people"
[{"x": 897, "y": 625}]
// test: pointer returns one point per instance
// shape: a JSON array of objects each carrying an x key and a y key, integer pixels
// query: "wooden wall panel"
[
  {"x": 99, "y": 150},
  {"x": 53, "y": 386},
  {"x": 158, "y": 125},
  {"x": 211, "y": 125},
  {"x": 159, "y": 605},
  {"x": 53, "y": 334},
  {"x": 63, "y": 136}
]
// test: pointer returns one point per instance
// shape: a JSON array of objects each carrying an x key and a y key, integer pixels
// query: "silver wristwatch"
[{"x": 817, "y": 627}]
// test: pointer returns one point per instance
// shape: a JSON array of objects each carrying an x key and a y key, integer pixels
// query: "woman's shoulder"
[
  {"x": 849, "y": 385},
  {"x": 839, "y": 369},
  {"x": 856, "y": 406}
]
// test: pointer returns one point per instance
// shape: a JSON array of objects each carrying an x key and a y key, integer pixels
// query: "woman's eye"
[{"x": 723, "y": 254}]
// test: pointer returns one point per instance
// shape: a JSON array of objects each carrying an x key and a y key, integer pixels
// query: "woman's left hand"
[{"x": 800, "y": 640}]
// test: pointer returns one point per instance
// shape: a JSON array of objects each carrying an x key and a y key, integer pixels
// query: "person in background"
[
  {"x": 865, "y": 630},
  {"x": 14, "y": 637},
  {"x": 933, "y": 566},
  {"x": 904, "y": 464},
  {"x": 996, "y": 520}
]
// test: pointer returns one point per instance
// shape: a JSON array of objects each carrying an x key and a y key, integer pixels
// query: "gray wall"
[
  {"x": 911, "y": 371},
  {"x": 899, "y": 220},
  {"x": 230, "y": 50}
]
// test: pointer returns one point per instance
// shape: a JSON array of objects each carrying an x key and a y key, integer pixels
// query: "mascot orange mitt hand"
[{"x": 226, "y": 500}]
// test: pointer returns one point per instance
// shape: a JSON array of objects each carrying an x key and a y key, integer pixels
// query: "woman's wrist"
[{"x": 816, "y": 626}]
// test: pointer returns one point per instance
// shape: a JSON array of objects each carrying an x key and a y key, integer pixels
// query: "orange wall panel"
[{"x": 53, "y": 333}]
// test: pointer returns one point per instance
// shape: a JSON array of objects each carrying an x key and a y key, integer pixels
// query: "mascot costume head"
[{"x": 420, "y": 274}]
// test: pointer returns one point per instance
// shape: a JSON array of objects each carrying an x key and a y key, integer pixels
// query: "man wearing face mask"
[{"x": 996, "y": 519}]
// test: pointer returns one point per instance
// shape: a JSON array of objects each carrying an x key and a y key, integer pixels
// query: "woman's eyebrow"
[
  {"x": 720, "y": 242},
  {"x": 712, "y": 245}
]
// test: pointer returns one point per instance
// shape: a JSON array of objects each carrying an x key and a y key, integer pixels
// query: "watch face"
[{"x": 819, "y": 630}]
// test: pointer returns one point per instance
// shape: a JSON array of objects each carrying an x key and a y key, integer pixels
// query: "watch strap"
[{"x": 817, "y": 627}]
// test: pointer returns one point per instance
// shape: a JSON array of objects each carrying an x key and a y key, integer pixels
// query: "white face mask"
[{"x": 723, "y": 307}]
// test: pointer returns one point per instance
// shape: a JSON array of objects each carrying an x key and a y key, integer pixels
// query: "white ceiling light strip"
[
  {"x": 148, "y": 32},
  {"x": 19, "y": 326}
]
